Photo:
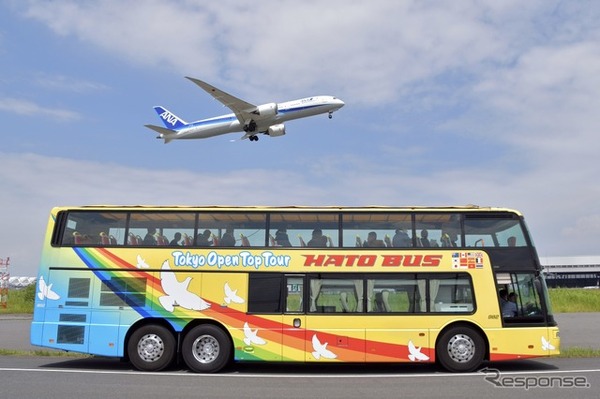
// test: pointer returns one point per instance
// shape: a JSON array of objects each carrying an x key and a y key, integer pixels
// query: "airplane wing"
[{"x": 240, "y": 108}]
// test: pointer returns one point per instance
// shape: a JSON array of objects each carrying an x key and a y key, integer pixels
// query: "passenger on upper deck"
[
  {"x": 282, "y": 239},
  {"x": 448, "y": 239},
  {"x": 372, "y": 241},
  {"x": 150, "y": 239},
  {"x": 175, "y": 241},
  {"x": 203, "y": 240},
  {"x": 401, "y": 239},
  {"x": 424, "y": 241},
  {"x": 318, "y": 240},
  {"x": 228, "y": 240}
]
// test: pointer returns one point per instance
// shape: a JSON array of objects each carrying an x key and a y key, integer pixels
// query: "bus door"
[
  {"x": 335, "y": 325},
  {"x": 294, "y": 319}
]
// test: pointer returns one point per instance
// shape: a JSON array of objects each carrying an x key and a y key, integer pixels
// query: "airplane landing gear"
[
  {"x": 330, "y": 115},
  {"x": 253, "y": 138},
  {"x": 250, "y": 127}
]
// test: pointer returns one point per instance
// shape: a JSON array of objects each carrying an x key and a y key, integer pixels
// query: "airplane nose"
[{"x": 340, "y": 103}]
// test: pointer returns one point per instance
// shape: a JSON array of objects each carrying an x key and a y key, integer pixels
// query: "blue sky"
[{"x": 447, "y": 103}]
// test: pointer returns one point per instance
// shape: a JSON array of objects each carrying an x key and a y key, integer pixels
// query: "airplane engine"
[
  {"x": 276, "y": 130},
  {"x": 266, "y": 110}
]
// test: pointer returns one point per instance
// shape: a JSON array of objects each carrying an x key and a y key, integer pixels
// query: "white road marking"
[{"x": 237, "y": 375}]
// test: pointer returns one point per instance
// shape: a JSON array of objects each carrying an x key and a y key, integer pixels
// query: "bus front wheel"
[
  {"x": 460, "y": 349},
  {"x": 151, "y": 348},
  {"x": 206, "y": 349}
]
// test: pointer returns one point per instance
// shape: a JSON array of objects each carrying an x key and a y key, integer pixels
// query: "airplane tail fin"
[{"x": 170, "y": 120}]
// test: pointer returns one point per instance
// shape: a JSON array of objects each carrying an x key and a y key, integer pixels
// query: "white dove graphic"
[
  {"x": 251, "y": 337},
  {"x": 141, "y": 263},
  {"x": 177, "y": 292},
  {"x": 320, "y": 350},
  {"x": 231, "y": 295},
  {"x": 415, "y": 354},
  {"x": 45, "y": 291},
  {"x": 547, "y": 346}
]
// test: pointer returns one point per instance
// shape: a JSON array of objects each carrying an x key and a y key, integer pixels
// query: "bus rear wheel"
[
  {"x": 151, "y": 348},
  {"x": 460, "y": 349},
  {"x": 206, "y": 349}
]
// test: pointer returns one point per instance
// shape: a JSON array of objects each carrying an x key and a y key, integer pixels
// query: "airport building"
[
  {"x": 20, "y": 282},
  {"x": 572, "y": 271}
]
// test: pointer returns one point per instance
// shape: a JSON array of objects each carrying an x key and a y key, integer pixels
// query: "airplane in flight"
[{"x": 246, "y": 117}]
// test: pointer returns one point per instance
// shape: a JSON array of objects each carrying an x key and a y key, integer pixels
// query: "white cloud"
[
  {"x": 551, "y": 92},
  {"x": 370, "y": 51},
  {"x": 587, "y": 226},
  {"x": 43, "y": 182},
  {"x": 514, "y": 81},
  {"x": 67, "y": 83},
  {"x": 30, "y": 108},
  {"x": 151, "y": 32}
]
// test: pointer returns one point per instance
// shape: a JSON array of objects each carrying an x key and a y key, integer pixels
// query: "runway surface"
[
  {"x": 63, "y": 378},
  {"x": 34, "y": 377}
]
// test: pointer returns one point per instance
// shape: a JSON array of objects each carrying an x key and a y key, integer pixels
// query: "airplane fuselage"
[
  {"x": 251, "y": 119},
  {"x": 286, "y": 111}
]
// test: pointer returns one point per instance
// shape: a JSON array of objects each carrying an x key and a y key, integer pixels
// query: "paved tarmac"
[
  {"x": 576, "y": 330},
  {"x": 26, "y": 377}
]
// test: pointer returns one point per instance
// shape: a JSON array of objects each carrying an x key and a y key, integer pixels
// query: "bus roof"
[{"x": 294, "y": 208}]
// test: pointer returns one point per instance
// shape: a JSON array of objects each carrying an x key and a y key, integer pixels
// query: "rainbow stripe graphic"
[{"x": 281, "y": 340}]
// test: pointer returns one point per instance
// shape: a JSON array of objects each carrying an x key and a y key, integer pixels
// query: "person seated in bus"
[
  {"x": 282, "y": 239},
  {"x": 401, "y": 239},
  {"x": 149, "y": 239},
  {"x": 503, "y": 295},
  {"x": 318, "y": 240},
  {"x": 175, "y": 241},
  {"x": 511, "y": 241},
  {"x": 424, "y": 241},
  {"x": 228, "y": 240},
  {"x": 448, "y": 239},
  {"x": 510, "y": 306},
  {"x": 203, "y": 239},
  {"x": 372, "y": 241}
]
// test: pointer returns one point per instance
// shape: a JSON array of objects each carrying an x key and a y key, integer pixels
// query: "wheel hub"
[
  {"x": 150, "y": 347},
  {"x": 206, "y": 349},
  {"x": 461, "y": 348}
]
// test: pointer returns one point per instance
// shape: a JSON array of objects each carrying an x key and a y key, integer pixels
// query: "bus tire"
[
  {"x": 460, "y": 349},
  {"x": 151, "y": 348},
  {"x": 206, "y": 349}
]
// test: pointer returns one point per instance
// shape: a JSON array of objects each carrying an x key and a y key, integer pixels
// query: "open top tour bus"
[{"x": 211, "y": 285}]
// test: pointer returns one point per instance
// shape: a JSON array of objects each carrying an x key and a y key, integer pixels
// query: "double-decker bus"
[{"x": 211, "y": 285}]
